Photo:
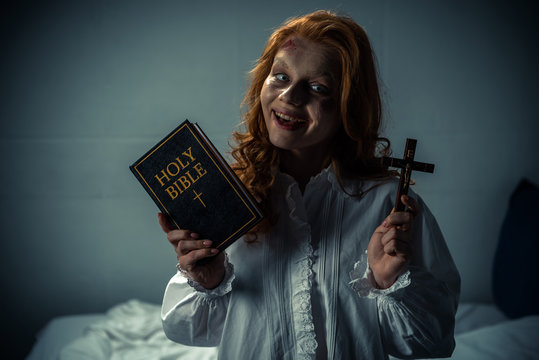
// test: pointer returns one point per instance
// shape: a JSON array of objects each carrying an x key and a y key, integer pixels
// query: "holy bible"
[{"x": 191, "y": 182}]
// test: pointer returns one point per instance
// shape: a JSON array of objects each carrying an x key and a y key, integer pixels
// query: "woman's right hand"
[{"x": 190, "y": 249}]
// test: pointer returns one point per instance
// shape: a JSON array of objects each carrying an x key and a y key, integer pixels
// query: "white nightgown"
[{"x": 303, "y": 290}]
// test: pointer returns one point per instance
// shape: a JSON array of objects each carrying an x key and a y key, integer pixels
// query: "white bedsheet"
[
  {"x": 482, "y": 332},
  {"x": 58, "y": 332},
  {"x": 130, "y": 331},
  {"x": 133, "y": 330},
  {"x": 509, "y": 340}
]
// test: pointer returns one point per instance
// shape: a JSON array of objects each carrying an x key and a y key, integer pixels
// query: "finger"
[
  {"x": 411, "y": 204},
  {"x": 389, "y": 235},
  {"x": 164, "y": 222},
  {"x": 390, "y": 247},
  {"x": 185, "y": 246},
  {"x": 175, "y": 236},
  {"x": 194, "y": 256},
  {"x": 401, "y": 218},
  {"x": 397, "y": 235},
  {"x": 398, "y": 248},
  {"x": 382, "y": 229}
]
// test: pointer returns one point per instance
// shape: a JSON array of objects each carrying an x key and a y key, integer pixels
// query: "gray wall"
[{"x": 89, "y": 86}]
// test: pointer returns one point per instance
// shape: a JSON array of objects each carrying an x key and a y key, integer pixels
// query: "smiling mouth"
[{"x": 289, "y": 122}]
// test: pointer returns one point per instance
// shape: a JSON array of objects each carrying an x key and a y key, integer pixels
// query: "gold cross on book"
[
  {"x": 407, "y": 164},
  {"x": 197, "y": 197}
]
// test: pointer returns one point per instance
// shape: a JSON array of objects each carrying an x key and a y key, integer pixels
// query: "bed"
[
  {"x": 132, "y": 330},
  {"x": 508, "y": 328}
]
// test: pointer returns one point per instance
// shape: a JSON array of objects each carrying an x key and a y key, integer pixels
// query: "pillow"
[{"x": 515, "y": 284}]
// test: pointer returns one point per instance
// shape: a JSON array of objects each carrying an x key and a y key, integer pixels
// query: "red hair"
[{"x": 355, "y": 150}]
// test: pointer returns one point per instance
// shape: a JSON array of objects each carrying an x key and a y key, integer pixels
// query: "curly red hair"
[{"x": 356, "y": 148}]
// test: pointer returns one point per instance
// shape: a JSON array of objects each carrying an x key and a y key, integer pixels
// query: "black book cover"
[{"x": 191, "y": 182}]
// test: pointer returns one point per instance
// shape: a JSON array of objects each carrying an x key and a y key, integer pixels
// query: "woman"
[{"x": 334, "y": 272}]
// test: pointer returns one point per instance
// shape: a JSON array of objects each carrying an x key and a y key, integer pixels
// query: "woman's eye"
[
  {"x": 320, "y": 89},
  {"x": 282, "y": 77}
]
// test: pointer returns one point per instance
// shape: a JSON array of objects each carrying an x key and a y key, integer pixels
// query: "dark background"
[{"x": 88, "y": 86}]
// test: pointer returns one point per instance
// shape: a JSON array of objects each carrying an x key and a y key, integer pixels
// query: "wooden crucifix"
[{"x": 407, "y": 164}]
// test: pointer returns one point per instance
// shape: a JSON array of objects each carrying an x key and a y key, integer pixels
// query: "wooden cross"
[{"x": 407, "y": 164}]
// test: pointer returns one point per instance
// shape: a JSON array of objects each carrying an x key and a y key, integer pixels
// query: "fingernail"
[
  {"x": 194, "y": 235},
  {"x": 206, "y": 243},
  {"x": 384, "y": 224},
  {"x": 214, "y": 251}
]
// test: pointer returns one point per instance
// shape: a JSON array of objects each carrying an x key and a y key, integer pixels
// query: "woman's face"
[{"x": 300, "y": 97}]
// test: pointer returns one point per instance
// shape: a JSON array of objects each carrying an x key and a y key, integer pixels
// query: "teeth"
[{"x": 288, "y": 118}]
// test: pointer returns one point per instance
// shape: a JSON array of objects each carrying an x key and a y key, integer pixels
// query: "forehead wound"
[{"x": 290, "y": 44}]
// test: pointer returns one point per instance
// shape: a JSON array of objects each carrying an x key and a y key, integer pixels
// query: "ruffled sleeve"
[
  {"x": 223, "y": 288},
  {"x": 193, "y": 315},
  {"x": 362, "y": 280},
  {"x": 417, "y": 313}
]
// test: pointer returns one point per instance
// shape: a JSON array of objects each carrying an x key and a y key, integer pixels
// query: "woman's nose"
[{"x": 295, "y": 94}]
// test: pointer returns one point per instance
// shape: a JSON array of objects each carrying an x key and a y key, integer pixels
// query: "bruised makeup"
[{"x": 300, "y": 96}]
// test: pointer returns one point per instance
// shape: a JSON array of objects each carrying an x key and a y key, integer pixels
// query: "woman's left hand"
[{"x": 390, "y": 247}]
